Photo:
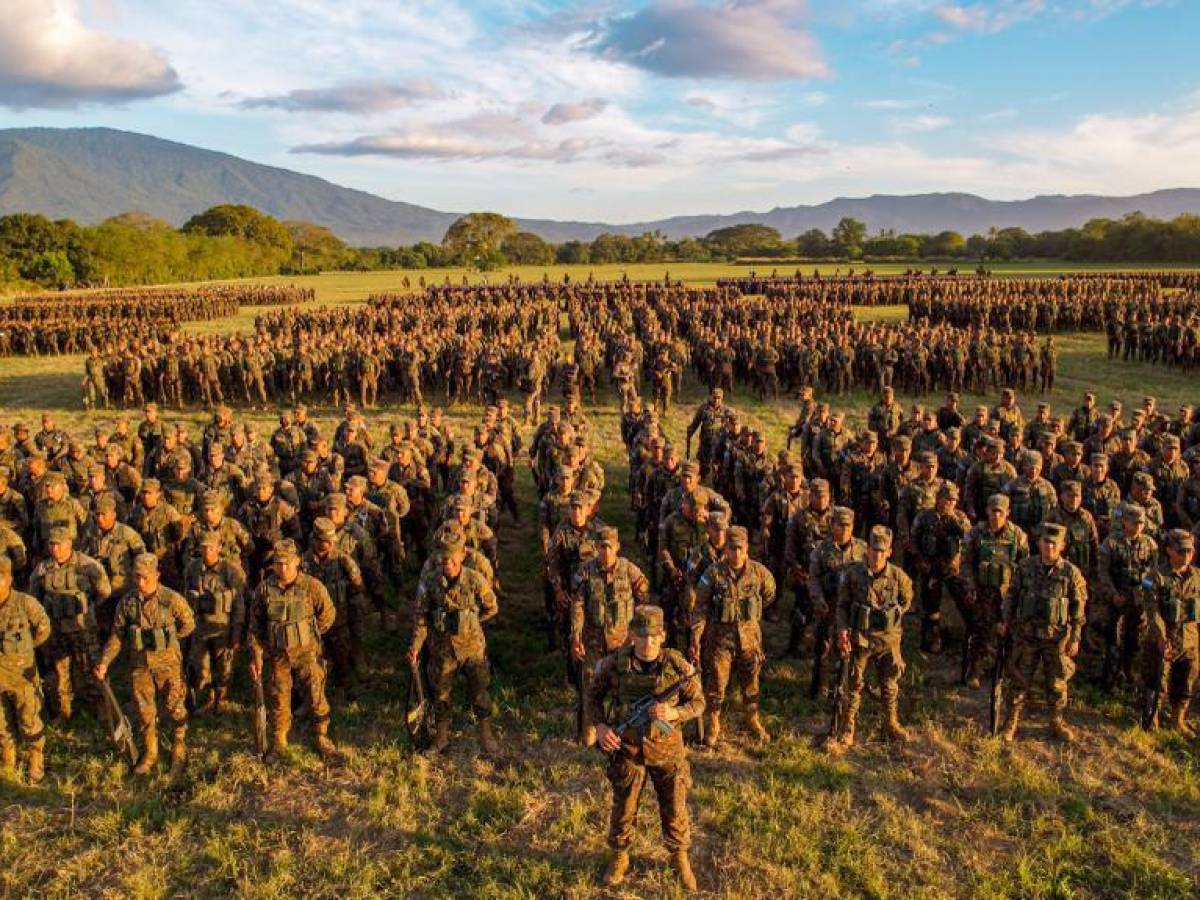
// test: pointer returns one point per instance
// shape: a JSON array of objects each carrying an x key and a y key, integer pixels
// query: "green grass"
[{"x": 950, "y": 816}]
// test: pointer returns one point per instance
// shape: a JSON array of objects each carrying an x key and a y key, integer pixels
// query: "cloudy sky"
[{"x": 636, "y": 110}]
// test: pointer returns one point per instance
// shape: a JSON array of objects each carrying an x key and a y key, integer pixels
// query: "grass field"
[{"x": 950, "y": 815}]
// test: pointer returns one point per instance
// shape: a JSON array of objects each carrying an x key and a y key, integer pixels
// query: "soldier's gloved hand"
[
  {"x": 607, "y": 739},
  {"x": 100, "y": 671},
  {"x": 843, "y": 641},
  {"x": 577, "y": 649}
]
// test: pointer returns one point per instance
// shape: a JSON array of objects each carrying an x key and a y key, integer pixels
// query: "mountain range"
[{"x": 90, "y": 174}]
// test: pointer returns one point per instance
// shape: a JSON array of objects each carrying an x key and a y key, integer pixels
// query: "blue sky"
[{"x": 632, "y": 111}]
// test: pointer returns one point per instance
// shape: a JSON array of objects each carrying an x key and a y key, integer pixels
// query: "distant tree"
[
  {"x": 573, "y": 253},
  {"x": 236, "y": 220},
  {"x": 814, "y": 244},
  {"x": 51, "y": 269},
  {"x": 944, "y": 243},
  {"x": 744, "y": 240},
  {"x": 848, "y": 236},
  {"x": 527, "y": 249},
  {"x": 314, "y": 247},
  {"x": 612, "y": 248},
  {"x": 475, "y": 239}
]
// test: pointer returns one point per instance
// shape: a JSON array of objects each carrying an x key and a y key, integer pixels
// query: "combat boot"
[
  {"x": 1179, "y": 719},
  {"x": 1012, "y": 719},
  {"x": 755, "y": 726},
  {"x": 1061, "y": 729},
  {"x": 683, "y": 868},
  {"x": 178, "y": 753},
  {"x": 222, "y": 701},
  {"x": 892, "y": 728},
  {"x": 321, "y": 739},
  {"x": 8, "y": 758},
  {"x": 487, "y": 742},
  {"x": 209, "y": 702},
  {"x": 279, "y": 745},
  {"x": 712, "y": 729},
  {"x": 149, "y": 754},
  {"x": 441, "y": 736},
  {"x": 618, "y": 865},
  {"x": 37, "y": 761}
]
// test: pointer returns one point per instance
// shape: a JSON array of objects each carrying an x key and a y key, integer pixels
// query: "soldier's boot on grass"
[
  {"x": 618, "y": 865},
  {"x": 1012, "y": 719},
  {"x": 842, "y": 740},
  {"x": 37, "y": 760},
  {"x": 8, "y": 758},
  {"x": 892, "y": 728},
  {"x": 755, "y": 726},
  {"x": 149, "y": 757},
  {"x": 178, "y": 752},
  {"x": 441, "y": 736},
  {"x": 1061, "y": 729},
  {"x": 321, "y": 740},
  {"x": 931, "y": 636},
  {"x": 712, "y": 729},
  {"x": 683, "y": 868},
  {"x": 487, "y": 741},
  {"x": 279, "y": 745},
  {"x": 1179, "y": 719}
]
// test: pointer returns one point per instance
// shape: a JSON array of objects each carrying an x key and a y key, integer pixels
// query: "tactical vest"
[
  {"x": 16, "y": 637},
  {"x": 161, "y": 634},
  {"x": 290, "y": 620},
  {"x": 997, "y": 557},
  {"x": 65, "y": 596},
  {"x": 632, "y": 685},
  {"x": 879, "y": 610},
  {"x": 728, "y": 604},
  {"x": 212, "y": 598},
  {"x": 1130, "y": 563},
  {"x": 609, "y": 605},
  {"x": 1079, "y": 543},
  {"x": 1176, "y": 609},
  {"x": 453, "y": 612},
  {"x": 1049, "y": 604}
]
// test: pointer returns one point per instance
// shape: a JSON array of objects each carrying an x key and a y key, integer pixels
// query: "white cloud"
[
  {"x": 49, "y": 58},
  {"x": 564, "y": 113},
  {"x": 920, "y": 124},
  {"x": 366, "y": 96}
]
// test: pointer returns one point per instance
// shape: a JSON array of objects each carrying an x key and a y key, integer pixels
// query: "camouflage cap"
[
  {"x": 689, "y": 468},
  {"x": 1053, "y": 531},
  {"x": 718, "y": 521},
  {"x": 211, "y": 539},
  {"x": 323, "y": 528},
  {"x": 954, "y": 432},
  {"x": 285, "y": 550},
  {"x": 902, "y": 442},
  {"x": 95, "y": 470},
  {"x": 60, "y": 535},
  {"x": 880, "y": 538},
  {"x": 264, "y": 479},
  {"x": 105, "y": 503},
  {"x": 151, "y": 484},
  {"x": 1131, "y": 512},
  {"x": 579, "y": 498},
  {"x": 1181, "y": 540},
  {"x": 842, "y": 515},
  {"x": 998, "y": 501},
  {"x": 1171, "y": 440},
  {"x": 145, "y": 564},
  {"x": 309, "y": 456},
  {"x": 335, "y": 501},
  {"x": 818, "y": 486},
  {"x": 717, "y": 393},
  {"x": 447, "y": 541},
  {"x": 948, "y": 491},
  {"x": 925, "y": 458},
  {"x": 738, "y": 536},
  {"x": 793, "y": 470},
  {"x": 1099, "y": 459},
  {"x": 609, "y": 536},
  {"x": 1072, "y": 447},
  {"x": 56, "y": 478},
  {"x": 1030, "y": 458},
  {"x": 1070, "y": 486},
  {"x": 357, "y": 482},
  {"x": 1143, "y": 479},
  {"x": 647, "y": 620},
  {"x": 212, "y": 500}
]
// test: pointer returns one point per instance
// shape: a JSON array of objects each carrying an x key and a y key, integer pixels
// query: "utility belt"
[
  {"x": 727, "y": 609},
  {"x": 872, "y": 619},
  {"x": 453, "y": 622},
  {"x": 61, "y": 605},
  {"x": 153, "y": 640}
]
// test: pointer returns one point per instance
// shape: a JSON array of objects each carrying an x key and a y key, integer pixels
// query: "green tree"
[
  {"x": 475, "y": 239},
  {"x": 527, "y": 249},
  {"x": 944, "y": 243},
  {"x": 237, "y": 220},
  {"x": 814, "y": 244},
  {"x": 848, "y": 237},
  {"x": 573, "y": 253},
  {"x": 315, "y": 247},
  {"x": 744, "y": 240},
  {"x": 51, "y": 269}
]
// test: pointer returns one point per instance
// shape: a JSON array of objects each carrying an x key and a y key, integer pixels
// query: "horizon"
[{"x": 638, "y": 112}]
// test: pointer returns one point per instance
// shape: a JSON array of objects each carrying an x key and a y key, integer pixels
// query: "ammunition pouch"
[
  {"x": 288, "y": 625},
  {"x": 929, "y": 544},
  {"x": 61, "y": 605},
  {"x": 452, "y": 622},
  {"x": 16, "y": 642},
  {"x": 153, "y": 640},
  {"x": 1176, "y": 611},
  {"x": 871, "y": 619},
  {"x": 1049, "y": 608},
  {"x": 215, "y": 606}
]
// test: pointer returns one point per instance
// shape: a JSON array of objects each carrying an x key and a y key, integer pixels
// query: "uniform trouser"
[
  {"x": 1031, "y": 652},
  {"x": 980, "y": 613},
  {"x": 662, "y": 396},
  {"x": 210, "y": 658},
  {"x": 933, "y": 585},
  {"x": 442, "y": 667},
  {"x": 1175, "y": 680},
  {"x": 70, "y": 655},
  {"x": 305, "y": 666},
  {"x": 507, "y": 486},
  {"x": 724, "y": 657},
  {"x": 671, "y": 779},
  {"x": 160, "y": 677},
  {"x": 1123, "y": 628},
  {"x": 882, "y": 649},
  {"x": 339, "y": 650},
  {"x": 20, "y": 705}
]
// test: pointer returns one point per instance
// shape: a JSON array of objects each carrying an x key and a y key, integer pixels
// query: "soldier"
[
  {"x": 621, "y": 679},
  {"x": 603, "y": 596},
  {"x": 24, "y": 626},
  {"x": 215, "y": 587},
  {"x": 287, "y": 617},
  {"x": 707, "y": 421},
  {"x": 269, "y": 519},
  {"x": 572, "y": 544},
  {"x": 161, "y": 527},
  {"x": 1045, "y": 614},
  {"x": 986, "y": 478},
  {"x": 1127, "y": 556},
  {"x": 337, "y": 570},
  {"x": 57, "y": 509},
  {"x": 938, "y": 535},
  {"x": 1082, "y": 539},
  {"x": 451, "y": 609},
  {"x": 726, "y": 632},
  {"x": 678, "y": 535},
  {"x": 69, "y": 586},
  {"x": 1173, "y": 636},
  {"x": 873, "y": 596},
  {"x": 807, "y": 527},
  {"x": 1101, "y": 496},
  {"x": 1031, "y": 497},
  {"x": 825, "y": 564},
  {"x": 154, "y": 619},
  {"x": 115, "y": 546}
]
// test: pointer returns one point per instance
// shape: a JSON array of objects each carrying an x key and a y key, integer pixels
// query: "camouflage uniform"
[
  {"x": 825, "y": 564},
  {"x": 1172, "y": 650},
  {"x": 217, "y": 595},
  {"x": 937, "y": 540},
  {"x": 342, "y": 577},
  {"x": 1124, "y": 562},
  {"x": 24, "y": 626},
  {"x": 989, "y": 563}
]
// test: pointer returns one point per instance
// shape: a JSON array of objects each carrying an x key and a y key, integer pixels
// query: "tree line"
[{"x": 236, "y": 241}]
